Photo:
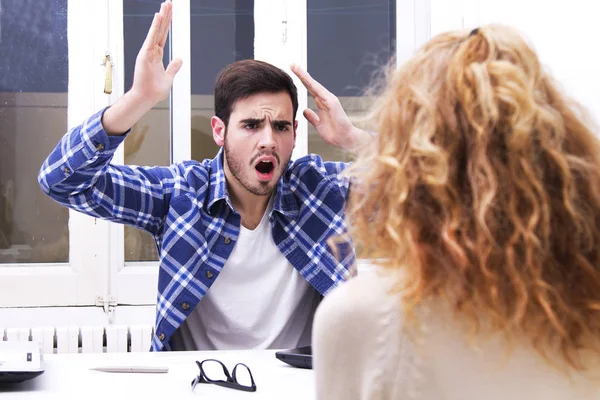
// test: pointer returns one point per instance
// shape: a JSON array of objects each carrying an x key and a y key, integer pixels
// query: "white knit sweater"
[{"x": 362, "y": 351}]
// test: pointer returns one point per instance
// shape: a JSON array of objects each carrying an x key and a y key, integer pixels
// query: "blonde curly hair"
[{"x": 483, "y": 186}]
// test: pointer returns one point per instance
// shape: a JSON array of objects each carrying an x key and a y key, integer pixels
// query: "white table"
[{"x": 67, "y": 376}]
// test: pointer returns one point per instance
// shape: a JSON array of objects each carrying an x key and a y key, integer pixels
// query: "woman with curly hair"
[{"x": 480, "y": 206}]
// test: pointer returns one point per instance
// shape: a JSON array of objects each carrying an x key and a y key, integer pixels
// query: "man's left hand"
[{"x": 332, "y": 122}]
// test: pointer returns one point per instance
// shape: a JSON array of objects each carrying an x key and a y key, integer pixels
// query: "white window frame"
[
  {"x": 135, "y": 282},
  {"x": 78, "y": 281}
]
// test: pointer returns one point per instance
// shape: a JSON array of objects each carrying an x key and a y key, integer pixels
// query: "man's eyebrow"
[
  {"x": 281, "y": 122},
  {"x": 252, "y": 121},
  {"x": 258, "y": 121}
]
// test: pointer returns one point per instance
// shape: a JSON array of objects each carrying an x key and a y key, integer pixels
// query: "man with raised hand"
[{"x": 242, "y": 238}]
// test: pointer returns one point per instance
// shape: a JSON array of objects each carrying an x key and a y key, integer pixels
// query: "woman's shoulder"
[
  {"x": 373, "y": 286},
  {"x": 361, "y": 302},
  {"x": 357, "y": 338}
]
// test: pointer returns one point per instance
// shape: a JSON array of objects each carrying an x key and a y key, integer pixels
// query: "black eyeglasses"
[{"x": 215, "y": 372}]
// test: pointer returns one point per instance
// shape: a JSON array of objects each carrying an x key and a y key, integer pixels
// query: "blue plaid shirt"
[{"x": 187, "y": 210}]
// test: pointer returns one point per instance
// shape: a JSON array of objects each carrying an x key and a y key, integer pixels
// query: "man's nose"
[{"x": 267, "y": 139}]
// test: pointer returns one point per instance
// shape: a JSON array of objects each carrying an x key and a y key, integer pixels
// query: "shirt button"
[
  {"x": 209, "y": 274},
  {"x": 100, "y": 147},
  {"x": 185, "y": 306},
  {"x": 67, "y": 170},
  {"x": 227, "y": 240},
  {"x": 161, "y": 337}
]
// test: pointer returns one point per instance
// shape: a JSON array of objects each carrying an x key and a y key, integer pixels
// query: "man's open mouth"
[{"x": 265, "y": 169}]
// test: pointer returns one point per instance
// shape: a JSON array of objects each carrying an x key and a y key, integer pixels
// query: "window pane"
[
  {"x": 150, "y": 139},
  {"x": 222, "y": 32},
  {"x": 33, "y": 118},
  {"x": 349, "y": 42}
]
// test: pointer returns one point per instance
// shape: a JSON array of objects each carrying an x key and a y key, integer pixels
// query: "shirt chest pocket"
[
  {"x": 194, "y": 243},
  {"x": 184, "y": 246}
]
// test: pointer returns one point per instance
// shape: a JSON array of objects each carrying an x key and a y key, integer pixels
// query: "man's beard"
[{"x": 236, "y": 166}]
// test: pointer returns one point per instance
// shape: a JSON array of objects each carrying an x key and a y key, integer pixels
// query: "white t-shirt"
[{"x": 258, "y": 301}]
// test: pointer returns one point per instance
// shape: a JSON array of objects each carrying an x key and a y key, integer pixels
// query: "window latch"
[
  {"x": 108, "y": 64},
  {"x": 108, "y": 302}
]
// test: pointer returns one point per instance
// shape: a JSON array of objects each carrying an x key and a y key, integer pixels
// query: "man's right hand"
[{"x": 151, "y": 81}]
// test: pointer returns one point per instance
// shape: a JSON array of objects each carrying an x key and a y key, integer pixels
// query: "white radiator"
[{"x": 85, "y": 339}]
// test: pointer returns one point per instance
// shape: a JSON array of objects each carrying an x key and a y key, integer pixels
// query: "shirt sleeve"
[
  {"x": 330, "y": 170},
  {"x": 78, "y": 174},
  {"x": 335, "y": 172}
]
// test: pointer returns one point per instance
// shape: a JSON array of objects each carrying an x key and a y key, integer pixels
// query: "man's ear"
[{"x": 218, "y": 130}]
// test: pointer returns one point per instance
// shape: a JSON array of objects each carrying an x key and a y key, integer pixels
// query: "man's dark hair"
[{"x": 245, "y": 78}]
